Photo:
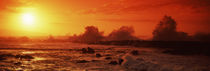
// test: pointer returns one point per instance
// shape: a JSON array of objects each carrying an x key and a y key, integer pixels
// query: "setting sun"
[{"x": 28, "y": 19}]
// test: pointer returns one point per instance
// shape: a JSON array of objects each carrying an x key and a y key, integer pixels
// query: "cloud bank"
[{"x": 134, "y": 6}]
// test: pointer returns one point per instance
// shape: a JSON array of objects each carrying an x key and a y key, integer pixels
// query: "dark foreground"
[{"x": 71, "y": 57}]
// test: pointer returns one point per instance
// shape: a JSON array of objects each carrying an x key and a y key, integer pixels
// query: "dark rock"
[
  {"x": 88, "y": 50},
  {"x": 95, "y": 60},
  {"x": 108, "y": 55},
  {"x": 121, "y": 51},
  {"x": 18, "y": 63},
  {"x": 24, "y": 57},
  {"x": 113, "y": 63},
  {"x": 108, "y": 58},
  {"x": 6, "y": 55},
  {"x": 135, "y": 52},
  {"x": 120, "y": 61},
  {"x": 109, "y": 48},
  {"x": 28, "y": 57},
  {"x": 84, "y": 50},
  {"x": 2, "y": 58},
  {"x": 98, "y": 55},
  {"x": 82, "y": 61},
  {"x": 5, "y": 69}
]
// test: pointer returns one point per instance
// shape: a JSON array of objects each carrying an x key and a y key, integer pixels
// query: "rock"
[
  {"x": 130, "y": 61},
  {"x": 18, "y": 63},
  {"x": 120, "y": 61},
  {"x": 88, "y": 50},
  {"x": 2, "y": 58},
  {"x": 108, "y": 58},
  {"x": 95, "y": 60},
  {"x": 98, "y": 55},
  {"x": 82, "y": 61},
  {"x": 24, "y": 57},
  {"x": 113, "y": 63},
  {"x": 121, "y": 51},
  {"x": 108, "y": 55},
  {"x": 5, "y": 69},
  {"x": 84, "y": 50},
  {"x": 135, "y": 52},
  {"x": 5, "y": 56}
]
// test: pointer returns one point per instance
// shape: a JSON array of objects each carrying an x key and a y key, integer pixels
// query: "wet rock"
[
  {"x": 5, "y": 69},
  {"x": 113, "y": 63},
  {"x": 6, "y": 55},
  {"x": 88, "y": 50},
  {"x": 108, "y": 58},
  {"x": 2, "y": 58},
  {"x": 120, "y": 61},
  {"x": 128, "y": 60},
  {"x": 82, "y": 61},
  {"x": 135, "y": 52},
  {"x": 108, "y": 55},
  {"x": 84, "y": 50},
  {"x": 109, "y": 48},
  {"x": 95, "y": 60},
  {"x": 24, "y": 57},
  {"x": 98, "y": 55},
  {"x": 121, "y": 52},
  {"x": 17, "y": 63}
]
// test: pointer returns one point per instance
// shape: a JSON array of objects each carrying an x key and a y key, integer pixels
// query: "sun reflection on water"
[
  {"x": 38, "y": 59},
  {"x": 32, "y": 52},
  {"x": 28, "y": 52}
]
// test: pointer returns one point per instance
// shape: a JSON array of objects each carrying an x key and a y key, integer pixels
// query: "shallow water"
[{"x": 67, "y": 57}]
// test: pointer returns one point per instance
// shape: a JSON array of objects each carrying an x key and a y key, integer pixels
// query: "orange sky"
[{"x": 61, "y": 17}]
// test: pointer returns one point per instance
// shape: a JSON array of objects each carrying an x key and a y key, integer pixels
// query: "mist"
[
  {"x": 123, "y": 33},
  {"x": 91, "y": 34},
  {"x": 166, "y": 30}
]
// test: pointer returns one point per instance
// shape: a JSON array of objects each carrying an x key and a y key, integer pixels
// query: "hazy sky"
[{"x": 61, "y": 17}]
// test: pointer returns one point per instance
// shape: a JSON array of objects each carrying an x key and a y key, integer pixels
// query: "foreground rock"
[
  {"x": 120, "y": 61},
  {"x": 24, "y": 57},
  {"x": 82, "y": 61},
  {"x": 5, "y": 56},
  {"x": 88, "y": 50},
  {"x": 113, "y": 63},
  {"x": 134, "y": 52},
  {"x": 98, "y": 55},
  {"x": 108, "y": 58}
]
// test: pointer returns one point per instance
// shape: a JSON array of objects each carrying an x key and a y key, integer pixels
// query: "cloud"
[
  {"x": 195, "y": 3},
  {"x": 126, "y": 20},
  {"x": 123, "y": 33},
  {"x": 135, "y": 6},
  {"x": 166, "y": 31},
  {"x": 9, "y": 5}
]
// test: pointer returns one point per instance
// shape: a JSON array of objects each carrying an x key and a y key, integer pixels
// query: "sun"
[{"x": 28, "y": 18}]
